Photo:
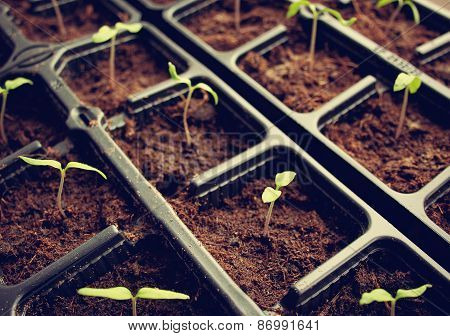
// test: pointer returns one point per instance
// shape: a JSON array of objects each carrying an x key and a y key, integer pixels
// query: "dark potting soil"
[
  {"x": 284, "y": 71},
  {"x": 156, "y": 267},
  {"x": 158, "y": 146},
  {"x": 439, "y": 212},
  {"x": 80, "y": 19},
  {"x": 382, "y": 270},
  {"x": 216, "y": 23},
  {"x": 137, "y": 68},
  {"x": 405, "y": 165},
  {"x": 306, "y": 230}
]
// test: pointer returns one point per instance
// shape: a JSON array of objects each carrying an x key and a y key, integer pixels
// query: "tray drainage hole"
[{"x": 169, "y": 184}]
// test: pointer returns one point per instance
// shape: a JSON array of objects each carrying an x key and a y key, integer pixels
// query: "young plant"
[
  {"x": 237, "y": 14},
  {"x": 59, "y": 18},
  {"x": 9, "y": 86},
  {"x": 202, "y": 86},
  {"x": 57, "y": 165},
  {"x": 380, "y": 295},
  {"x": 295, "y": 8},
  {"x": 122, "y": 293},
  {"x": 106, "y": 33},
  {"x": 270, "y": 195},
  {"x": 409, "y": 83},
  {"x": 400, "y": 5}
]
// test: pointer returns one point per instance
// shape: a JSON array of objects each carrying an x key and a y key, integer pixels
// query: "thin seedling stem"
[
  {"x": 59, "y": 18},
  {"x": 402, "y": 114},
  {"x": 312, "y": 48},
  {"x": 185, "y": 116},
  {"x": 134, "y": 305},
  {"x": 393, "y": 308},
  {"x": 269, "y": 215},
  {"x": 112, "y": 61},
  {"x": 2, "y": 117},
  {"x": 393, "y": 17},
  {"x": 60, "y": 191},
  {"x": 357, "y": 7},
  {"x": 237, "y": 14}
]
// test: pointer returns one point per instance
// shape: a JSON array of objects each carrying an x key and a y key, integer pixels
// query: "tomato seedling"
[
  {"x": 9, "y": 86},
  {"x": 409, "y": 83},
  {"x": 57, "y": 165},
  {"x": 270, "y": 195},
  {"x": 316, "y": 12},
  {"x": 59, "y": 18},
  {"x": 122, "y": 294},
  {"x": 202, "y": 86},
  {"x": 381, "y": 295},
  {"x": 106, "y": 33},
  {"x": 400, "y": 5}
]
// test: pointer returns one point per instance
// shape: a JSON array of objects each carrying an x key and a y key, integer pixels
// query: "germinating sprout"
[
  {"x": 202, "y": 86},
  {"x": 9, "y": 86},
  {"x": 380, "y": 295},
  {"x": 270, "y": 195},
  {"x": 106, "y": 33},
  {"x": 122, "y": 293},
  {"x": 316, "y": 11},
  {"x": 57, "y": 165},
  {"x": 409, "y": 83},
  {"x": 59, "y": 18},
  {"x": 400, "y": 5}
]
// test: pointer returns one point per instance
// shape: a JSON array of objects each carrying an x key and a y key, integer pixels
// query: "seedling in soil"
[
  {"x": 57, "y": 165},
  {"x": 59, "y": 18},
  {"x": 106, "y": 33},
  {"x": 409, "y": 83},
  {"x": 270, "y": 195},
  {"x": 380, "y": 295},
  {"x": 400, "y": 5},
  {"x": 202, "y": 86},
  {"x": 295, "y": 8},
  {"x": 122, "y": 293},
  {"x": 9, "y": 86},
  {"x": 237, "y": 14}
]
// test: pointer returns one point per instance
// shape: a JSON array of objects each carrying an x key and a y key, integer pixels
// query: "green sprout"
[
  {"x": 106, "y": 33},
  {"x": 59, "y": 18},
  {"x": 237, "y": 14},
  {"x": 400, "y": 5},
  {"x": 409, "y": 83},
  {"x": 9, "y": 86},
  {"x": 202, "y": 86},
  {"x": 270, "y": 195},
  {"x": 57, "y": 165},
  {"x": 380, "y": 295},
  {"x": 294, "y": 9},
  {"x": 122, "y": 293}
]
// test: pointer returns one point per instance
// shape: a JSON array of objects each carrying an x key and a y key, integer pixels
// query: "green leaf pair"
[
  {"x": 407, "y": 81},
  {"x": 401, "y": 4},
  {"x": 295, "y": 7},
  {"x": 281, "y": 180},
  {"x": 122, "y": 293},
  {"x": 106, "y": 33},
  {"x": 14, "y": 84}
]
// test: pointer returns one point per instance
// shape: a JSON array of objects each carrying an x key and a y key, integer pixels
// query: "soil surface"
[
  {"x": 306, "y": 230},
  {"x": 137, "y": 68},
  {"x": 79, "y": 20},
  {"x": 285, "y": 72},
  {"x": 439, "y": 212},
  {"x": 405, "y": 165},
  {"x": 156, "y": 267},
  {"x": 381, "y": 271},
  {"x": 216, "y": 24}
]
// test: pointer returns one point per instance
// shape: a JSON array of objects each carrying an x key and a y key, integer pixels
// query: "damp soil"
[
  {"x": 380, "y": 271},
  {"x": 368, "y": 134},
  {"x": 306, "y": 230},
  {"x": 216, "y": 24},
  {"x": 156, "y": 266},
  {"x": 80, "y": 19},
  {"x": 439, "y": 212},
  {"x": 137, "y": 68}
]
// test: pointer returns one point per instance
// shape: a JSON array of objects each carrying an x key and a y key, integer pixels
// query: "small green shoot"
[
  {"x": 202, "y": 86},
  {"x": 295, "y": 8},
  {"x": 57, "y": 165},
  {"x": 270, "y": 195},
  {"x": 400, "y": 5},
  {"x": 9, "y": 86},
  {"x": 409, "y": 83},
  {"x": 59, "y": 18},
  {"x": 106, "y": 33},
  {"x": 122, "y": 294},
  {"x": 237, "y": 14},
  {"x": 380, "y": 295}
]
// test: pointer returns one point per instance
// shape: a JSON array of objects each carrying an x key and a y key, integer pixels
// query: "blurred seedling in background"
[
  {"x": 396, "y": 12},
  {"x": 57, "y": 165},
  {"x": 270, "y": 195},
  {"x": 9, "y": 86},
  {"x": 59, "y": 18},
  {"x": 202, "y": 86},
  {"x": 237, "y": 14},
  {"x": 122, "y": 294}
]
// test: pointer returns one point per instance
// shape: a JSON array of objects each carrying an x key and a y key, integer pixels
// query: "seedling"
[
  {"x": 270, "y": 195},
  {"x": 57, "y": 165},
  {"x": 380, "y": 295},
  {"x": 106, "y": 33},
  {"x": 202, "y": 86},
  {"x": 122, "y": 293},
  {"x": 237, "y": 14},
  {"x": 295, "y": 8},
  {"x": 9, "y": 86},
  {"x": 59, "y": 18},
  {"x": 409, "y": 83},
  {"x": 400, "y": 5}
]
